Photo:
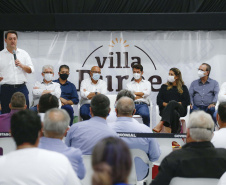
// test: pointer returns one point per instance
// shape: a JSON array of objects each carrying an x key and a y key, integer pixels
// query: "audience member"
[
  {"x": 125, "y": 109},
  {"x": 173, "y": 99},
  {"x": 69, "y": 94},
  {"x": 29, "y": 164},
  {"x": 204, "y": 91},
  {"x": 84, "y": 135},
  {"x": 111, "y": 161},
  {"x": 89, "y": 88},
  {"x": 112, "y": 116},
  {"x": 15, "y": 64},
  {"x": 219, "y": 136},
  {"x": 141, "y": 89},
  {"x": 198, "y": 158},
  {"x": 46, "y": 102},
  {"x": 18, "y": 102},
  {"x": 55, "y": 127},
  {"x": 222, "y": 180},
  {"x": 47, "y": 86}
]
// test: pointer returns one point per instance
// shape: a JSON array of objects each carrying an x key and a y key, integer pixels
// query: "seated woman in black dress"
[{"x": 173, "y": 99}]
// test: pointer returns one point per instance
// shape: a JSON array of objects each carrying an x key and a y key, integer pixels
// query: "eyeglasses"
[{"x": 96, "y": 72}]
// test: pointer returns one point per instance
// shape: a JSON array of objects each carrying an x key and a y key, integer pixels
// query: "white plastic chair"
[
  {"x": 133, "y": 177},
  {"x": 87, "y": 160},
  {"x": 193, "y": 181},
  {"x": 184, "y": 120}
]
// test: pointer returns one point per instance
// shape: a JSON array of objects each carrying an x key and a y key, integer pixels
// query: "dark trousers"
[
  {"x": 171, "y": 116},
  {"x": 6, "y": 93},
  {"x": 206, "y": 109},
  {"x": 70, "y": 111},
  {"x": 85, "y": 112}
]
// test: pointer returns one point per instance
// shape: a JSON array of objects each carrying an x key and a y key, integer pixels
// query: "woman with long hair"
[
  {"x": 173, "y": 99},
  {"x": 111, "y": 162}
]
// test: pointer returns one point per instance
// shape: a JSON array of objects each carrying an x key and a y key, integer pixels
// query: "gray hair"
[
  {"x": 201, "y": 126},
  {"x": 125, "y": 106},
  {"x": 125, "y": 92},
  {"x": 47, "y": 67},
  {"x": 56, "y": 121}
]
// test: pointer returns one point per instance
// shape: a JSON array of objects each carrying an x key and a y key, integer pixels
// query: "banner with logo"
[{"x": 114, "y": 52}]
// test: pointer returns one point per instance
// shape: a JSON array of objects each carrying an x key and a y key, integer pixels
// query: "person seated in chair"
[
  {"x": 141, "y": 89},
  {"x": 197, "y": 158},
  {"x": 172, "y": 99},
  {"x": 69, "y": 94}
]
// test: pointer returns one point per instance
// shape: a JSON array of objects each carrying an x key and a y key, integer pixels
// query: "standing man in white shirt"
[
  {"x": 15, "y": 63},
  {"x": 89, "y": 88},
  {"x": 46, "y": 86},
  {"x": 141, "y": 89}
]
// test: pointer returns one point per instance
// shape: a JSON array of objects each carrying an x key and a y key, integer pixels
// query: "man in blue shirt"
[
  {"x": 55, "y": 125},
  {"x": 125, "y": 122},
  {"x": 85, "y": 135},
  {"x": 204, "y": 91},
  {"x": 69, "y": 94}
]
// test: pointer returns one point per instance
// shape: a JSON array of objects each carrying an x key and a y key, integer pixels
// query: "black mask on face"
[{"x": 64, "y": 76}]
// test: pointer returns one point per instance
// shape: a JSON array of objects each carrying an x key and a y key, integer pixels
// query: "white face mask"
[
  {"x": 171, "y": 79},
  {"x": 201, "y": 73},
  {"x": 96, "y": 76},
  {"x": 48, "y": 77},
  {"x": 137, "y": 76}
]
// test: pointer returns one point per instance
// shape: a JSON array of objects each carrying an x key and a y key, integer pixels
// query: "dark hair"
[
  {"x": 46, "y": 102},
  {"x": 126, "y": 93},
  {"x": 18, "y": 100},
  {"x": 208, "y": 67},
  {"x": 112, "y": 152},
  {"x": 10, "y": 31},
  {"x": 222, "y": 111},
  {"x": 138, "y": 66},
  {"x": 100, "y": 105},
  {"x": 25, "y": 127},
  {"x": 64, "y": 66}
]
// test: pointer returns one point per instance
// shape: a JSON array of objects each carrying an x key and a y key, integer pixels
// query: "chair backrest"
[
  {"x": 87, "y": 160},
  {"x": 193, "y": 181},
  {"x": 144, "y": 157}
]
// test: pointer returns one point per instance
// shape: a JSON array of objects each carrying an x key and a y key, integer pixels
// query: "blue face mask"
[{"x": 96, "y": 76}]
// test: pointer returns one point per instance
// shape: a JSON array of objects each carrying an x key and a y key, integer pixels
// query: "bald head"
[
  {"x": 56, "y": 122},
  {"x": 125, "y": 107}
]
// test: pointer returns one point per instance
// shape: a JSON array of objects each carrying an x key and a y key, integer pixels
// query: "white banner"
[{"x": 114, "y": 52}]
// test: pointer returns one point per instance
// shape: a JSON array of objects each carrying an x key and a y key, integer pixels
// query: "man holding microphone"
[{"x": 15, "y": 63}]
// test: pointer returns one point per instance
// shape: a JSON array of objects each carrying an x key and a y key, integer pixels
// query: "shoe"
[{"x": 174, "y": 143}]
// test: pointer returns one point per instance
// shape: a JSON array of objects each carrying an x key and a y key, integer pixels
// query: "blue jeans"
[
  {"x": 85, "y": 112},
  {"x": 35, "y": 109},
  {"x": 143, "y": 111},
  {"x": 70, "y": 111},
  {"x": 205, "y": 108}
]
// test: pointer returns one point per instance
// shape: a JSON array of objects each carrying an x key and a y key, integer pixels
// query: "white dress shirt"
[
  {"x": 89, "y": 86},
  {"x": 222, "y": 93},
  {"x": 219, "y": 138},
  {"x": 52, "y": 86},
  {"x": 143, "y": 86},
  {"x": 8, "y": 70},
  {"x": 36, "y": 166}
]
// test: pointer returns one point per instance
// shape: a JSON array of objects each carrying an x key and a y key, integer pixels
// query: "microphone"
[{"x": 14, "y": 55}]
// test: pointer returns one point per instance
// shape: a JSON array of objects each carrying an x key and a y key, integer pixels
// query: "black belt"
[
  {"x": 139, "y": 102},
  {"x": 15, "y": 86}
]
